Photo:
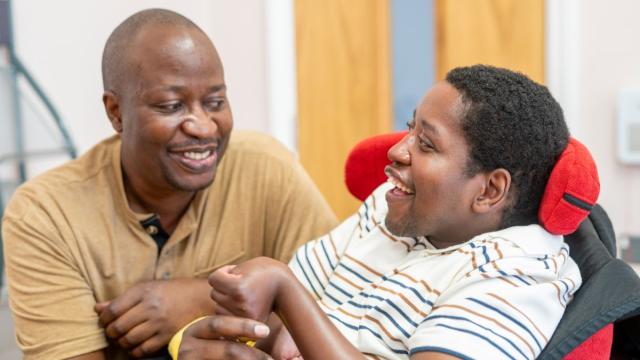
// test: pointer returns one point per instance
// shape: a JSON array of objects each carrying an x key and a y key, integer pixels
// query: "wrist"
[{"x": 285, "y": 289}]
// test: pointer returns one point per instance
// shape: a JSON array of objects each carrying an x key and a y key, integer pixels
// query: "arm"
[
  {"x": 144, "y": 318},
  {"x": 255, "y": 287},
  {"x": 51, "y": 301}
]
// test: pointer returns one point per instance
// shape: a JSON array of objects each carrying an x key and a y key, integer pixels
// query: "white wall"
[
  {"x": 609, "y": 55},
  {"x": 61, "y": 43}
]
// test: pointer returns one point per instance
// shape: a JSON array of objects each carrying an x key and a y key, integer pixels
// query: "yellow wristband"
[{"x": 176, "y": 340}]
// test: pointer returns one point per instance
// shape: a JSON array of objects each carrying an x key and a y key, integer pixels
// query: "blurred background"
[{"x": 322, "y": 75}]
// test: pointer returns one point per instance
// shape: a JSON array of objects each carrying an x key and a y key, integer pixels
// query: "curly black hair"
[{"x": 513, "y": 123}]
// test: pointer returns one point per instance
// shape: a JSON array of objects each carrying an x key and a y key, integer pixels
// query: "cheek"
[{"x": 158, "y": 130}]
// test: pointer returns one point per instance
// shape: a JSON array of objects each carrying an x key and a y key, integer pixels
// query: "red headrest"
[{"x": 571, "y": 191}]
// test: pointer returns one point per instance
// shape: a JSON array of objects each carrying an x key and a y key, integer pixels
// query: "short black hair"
[
  {"x": 511, "y": 122},
  {"x": 116, "y": 49}
]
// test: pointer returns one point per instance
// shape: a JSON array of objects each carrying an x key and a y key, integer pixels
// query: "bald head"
[{"x": 115, "y": 57}]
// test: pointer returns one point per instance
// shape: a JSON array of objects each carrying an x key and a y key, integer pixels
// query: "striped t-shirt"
[{"x": 498, "y": 296}]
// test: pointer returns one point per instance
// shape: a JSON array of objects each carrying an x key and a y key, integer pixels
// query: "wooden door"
[
  {"x": 506, "y": 33},
  {"x": 343, "y": 75}
]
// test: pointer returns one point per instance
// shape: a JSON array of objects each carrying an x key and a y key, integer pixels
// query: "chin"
[
  {"x": 191, "y": 184},
  {"x": 402, "y": 227}
]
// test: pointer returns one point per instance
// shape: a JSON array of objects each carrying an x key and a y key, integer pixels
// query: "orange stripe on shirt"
[
  {"x": 495, "y": 246},
  {"x": 521, "y": 313},
  {"x": 349, "y": 314},
  {"x": 381, "y": 327},
  {"x": 499, "y": 324},
  {"x": 333, "y": 245},
  {"x": 424, "y": 283},
  {"x": 404, "y": 298},
  {"x": 474, "y": 263},
  {"x": 558, "y": 291},
  {"x": 315, "y": 254},
  {"x": 360, "y": 263},
  {"x": 384, "y": 231},
  {"x": 336, "y": 274}
]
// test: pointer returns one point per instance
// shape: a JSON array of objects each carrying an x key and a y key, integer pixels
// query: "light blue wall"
[{"x": 412, "y": 41}]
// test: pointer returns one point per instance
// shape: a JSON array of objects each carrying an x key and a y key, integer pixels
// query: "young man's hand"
[
  {"x": 144, "y": 318},
  {"x": 249, "y": 289}
]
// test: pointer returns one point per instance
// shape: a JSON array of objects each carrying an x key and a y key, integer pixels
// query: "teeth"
[
  {"x": 399, "y": 185},
  {"x": 197, "y": 155}
]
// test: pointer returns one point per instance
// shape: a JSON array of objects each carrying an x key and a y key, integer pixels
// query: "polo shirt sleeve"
[
  {"x": 498, "y": 312},
  {"x": 51, "y": 302},
  {"x": 297, "y": 211}
]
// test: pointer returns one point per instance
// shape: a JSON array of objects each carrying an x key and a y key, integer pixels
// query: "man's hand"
[
  {"x": 215, "y": 337},
  {"x": 144, "y": 318},
  {"x": 249, "y": 289}
]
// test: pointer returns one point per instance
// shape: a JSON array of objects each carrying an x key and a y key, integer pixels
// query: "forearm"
[{"x": 313, "y": 332}]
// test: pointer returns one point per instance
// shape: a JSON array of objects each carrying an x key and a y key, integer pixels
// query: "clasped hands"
[{"x": 145, "y": 317}]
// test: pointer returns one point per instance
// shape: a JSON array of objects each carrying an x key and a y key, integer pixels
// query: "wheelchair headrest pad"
[{"x": 572, "y": 190}]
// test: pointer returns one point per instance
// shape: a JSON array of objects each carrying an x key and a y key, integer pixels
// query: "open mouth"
[
  {"x": 195, "y": 160},
  {"x": 399, "y": 186}
]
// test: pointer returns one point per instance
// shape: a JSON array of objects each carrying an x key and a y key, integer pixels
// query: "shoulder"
[
  {"x": 65, "y": 181},
  {"x": 258, "y": 158},
  {"x": 253, "y": 144}
]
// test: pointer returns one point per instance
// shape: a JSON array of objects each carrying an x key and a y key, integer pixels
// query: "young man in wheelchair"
[{"x": 445, "y": 260}]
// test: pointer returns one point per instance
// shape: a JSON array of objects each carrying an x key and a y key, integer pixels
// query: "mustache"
[{"x": 210, "y": 142}]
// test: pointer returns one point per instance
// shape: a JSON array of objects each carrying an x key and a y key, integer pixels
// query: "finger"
[
  {"x": 221, "y": 310},
  {"x": 222, "y": 280},
  {"x": 220, "y": 298},
  {"x": 218, "y": 349},
  {"x": 148, "y": 347},
  {"x": 120, "y": 305},
  {"x": 137, "y": 335},
  {"x": 126, "y": 322},
  {"x": 101, "y": 306},
  {"x": 230, "y": 327}
]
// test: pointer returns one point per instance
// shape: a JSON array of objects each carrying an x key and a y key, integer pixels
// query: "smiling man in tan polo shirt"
[{"x": 118, "y": 243}]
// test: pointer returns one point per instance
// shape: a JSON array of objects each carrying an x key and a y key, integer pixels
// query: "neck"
[
  {"x": 169, "y": 205},
  {"x": 463, "y": 233}
]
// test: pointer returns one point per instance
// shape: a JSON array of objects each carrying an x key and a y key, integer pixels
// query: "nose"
[
  {"x": 399, "y": 153},
  {"x": 198, "y": 124}
]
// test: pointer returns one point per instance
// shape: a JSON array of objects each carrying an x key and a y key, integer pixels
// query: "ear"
[
  {"x": 112, "y": 108},
  {"x": 493, "y": 193}
]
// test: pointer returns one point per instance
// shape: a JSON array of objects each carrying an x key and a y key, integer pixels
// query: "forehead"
[
  {"x": 442, "y": 109},
  {"x": 165, "y": 51}
]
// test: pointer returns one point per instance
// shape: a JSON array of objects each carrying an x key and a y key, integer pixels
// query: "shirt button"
[{"x": 152, "y": 229}]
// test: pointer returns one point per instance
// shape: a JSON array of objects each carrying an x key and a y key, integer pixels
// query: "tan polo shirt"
[{"x": 70, "y": 239}]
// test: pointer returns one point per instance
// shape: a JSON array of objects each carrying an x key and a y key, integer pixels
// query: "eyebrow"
[
  {"x": 428, "y": 126},
  {"x": 178, "y": 88}
]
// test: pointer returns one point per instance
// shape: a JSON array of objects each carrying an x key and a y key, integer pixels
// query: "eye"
[
  {"x": 216, "y": 104},
  {"x": 425, "y": 144},
  {"x": 169, "y": 107}
]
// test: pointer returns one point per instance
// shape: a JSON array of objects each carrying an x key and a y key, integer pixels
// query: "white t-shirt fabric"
[{"x": 499, "y": 295}]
